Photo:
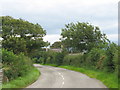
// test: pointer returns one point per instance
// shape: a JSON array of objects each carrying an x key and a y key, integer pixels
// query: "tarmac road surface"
[{"x": 54, "y": 77}]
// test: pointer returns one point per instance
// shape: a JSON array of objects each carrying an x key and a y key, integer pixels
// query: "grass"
[
  {"x": 108, "y": 79},
  {"x": 23, "y": 81}
]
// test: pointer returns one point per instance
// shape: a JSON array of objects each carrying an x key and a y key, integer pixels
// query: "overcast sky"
[{"x": 52, "y": 15}]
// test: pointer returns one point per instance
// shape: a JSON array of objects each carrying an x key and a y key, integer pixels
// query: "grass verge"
[
  {"x": 108, "y": 79},
  {"x": 23, "y": 81}
]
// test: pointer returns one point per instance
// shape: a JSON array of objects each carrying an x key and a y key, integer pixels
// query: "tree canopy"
[
  {"x": 20, "y": 34},
  {"x": 82, "y": 37},
  {"x": 56, "y": 44}
]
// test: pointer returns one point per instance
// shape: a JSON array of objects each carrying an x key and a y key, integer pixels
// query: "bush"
[
  {"x": 49, "y": 57},
  {"x": 98, "y": 58},
  {"x": 95, "y": 58},
  {"x": 39, "y": 57},
  {"x": 59, "y": 58},
  {"x": 111, "y": 63},
  {"x": 15, "y": 65},
  {"x": 54, "y": 58},
  {"x": 21, "y": 82},
  {"x": 73, "y": 60}
]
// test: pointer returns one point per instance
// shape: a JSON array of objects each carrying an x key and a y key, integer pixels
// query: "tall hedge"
[
  {"x": 102, "y": 59},
  {"x": 15, "y": 65}
]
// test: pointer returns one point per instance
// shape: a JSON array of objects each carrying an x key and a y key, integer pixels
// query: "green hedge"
[
  {"x": 49, "y": 57},
  {"x": 105, "y": 59},
  {"x": 98, "y": 58},
  {"x": 23, "y": 81},
  {"x": 73, "y": 60},
  {"x": 15, "y": 65}
]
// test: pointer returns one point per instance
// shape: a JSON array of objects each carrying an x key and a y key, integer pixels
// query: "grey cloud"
[{"x": 53, "y": 14}]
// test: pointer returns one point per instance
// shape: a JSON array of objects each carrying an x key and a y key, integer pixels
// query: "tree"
[
  {"x": 27, "y": 36},
  {"x": 80, "y": 37},
  {"x": 56, "y": 44},
  {"x": 21, "y": 28},
  {"x": 15, "y": 44}
]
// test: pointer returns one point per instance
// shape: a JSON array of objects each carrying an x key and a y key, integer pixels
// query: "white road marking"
[
  {"x": 62, "y": 78},
  {"x": 62, "y": 84},
  {"x": 60, "y": 75},
  {"x": 63, "y": 81}
]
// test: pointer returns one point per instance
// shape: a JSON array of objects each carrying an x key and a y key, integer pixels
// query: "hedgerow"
[
  {"x": 15, "y": 65},
  {"x": 105, "y": 59}
]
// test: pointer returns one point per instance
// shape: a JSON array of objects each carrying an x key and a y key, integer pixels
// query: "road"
[{"x": 54, "y": 77}]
